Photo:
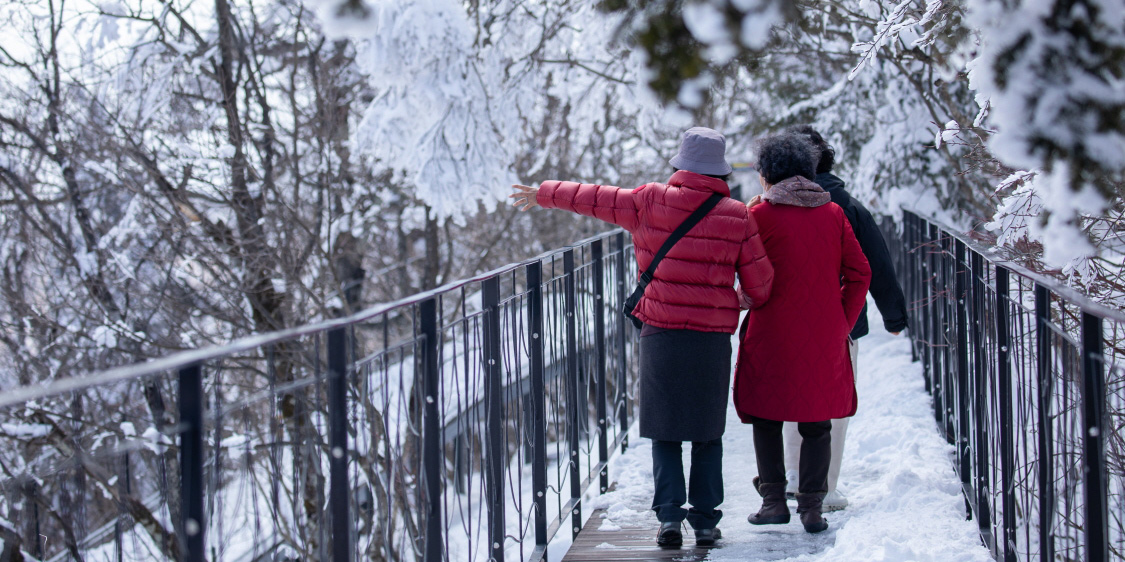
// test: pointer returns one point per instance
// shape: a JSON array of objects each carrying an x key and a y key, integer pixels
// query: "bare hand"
[
  {"x": 744, "y": 302},
  {"x": 524, "y": 196},
  {"x": 754, "y": 201},
  {"x": 895, "y": 333}
]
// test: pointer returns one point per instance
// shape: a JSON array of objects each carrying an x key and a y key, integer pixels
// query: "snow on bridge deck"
[{"x": 906, "y": 501}]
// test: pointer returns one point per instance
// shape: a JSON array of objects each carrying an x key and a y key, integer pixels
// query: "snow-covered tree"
[{"x": 1002, "y": 116}]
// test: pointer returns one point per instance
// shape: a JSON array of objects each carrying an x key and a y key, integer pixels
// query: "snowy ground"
[{"x": 906, "y": 502}]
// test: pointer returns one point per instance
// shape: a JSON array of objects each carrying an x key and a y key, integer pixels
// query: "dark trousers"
[
  {"x": 704, "y": 489},
  {"x": 816, "y": 454}
]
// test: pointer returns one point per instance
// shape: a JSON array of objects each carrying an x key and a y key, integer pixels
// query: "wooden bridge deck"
[{"x": 636, "y": 543}]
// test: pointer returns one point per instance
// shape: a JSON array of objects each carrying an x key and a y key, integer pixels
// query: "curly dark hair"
[
  {"x": 827, "y": 153},
  {"x": 785, "y": 155}
]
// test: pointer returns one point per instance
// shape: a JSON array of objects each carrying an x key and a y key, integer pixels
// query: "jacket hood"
[
  {"x": 684, "y": 178},
  {"x": 797, "y": 191}
]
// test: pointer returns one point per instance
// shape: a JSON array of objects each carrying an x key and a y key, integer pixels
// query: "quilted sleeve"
[
  {"x": 605, "y": 202},
  {"x": 855, "y": 273},
  {"x": 755, "y": 272}
]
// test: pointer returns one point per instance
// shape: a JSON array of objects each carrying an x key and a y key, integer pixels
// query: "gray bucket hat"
[{"x": 702, "y": 151}]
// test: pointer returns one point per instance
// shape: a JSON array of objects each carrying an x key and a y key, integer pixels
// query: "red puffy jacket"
[{"x": 693, "y": 288}]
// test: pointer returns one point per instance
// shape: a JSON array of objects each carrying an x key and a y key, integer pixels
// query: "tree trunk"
[{"x": 267, "y": 305}]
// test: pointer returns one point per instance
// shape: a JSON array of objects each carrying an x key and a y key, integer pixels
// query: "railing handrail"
[
  {"x": 1072, "y": 295},
  {"x": 170, "y": 363}
]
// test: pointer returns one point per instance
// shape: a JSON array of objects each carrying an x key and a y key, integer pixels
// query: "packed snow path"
[{"x": 906, "y": 502}]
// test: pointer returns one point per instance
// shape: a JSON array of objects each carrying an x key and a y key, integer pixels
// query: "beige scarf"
[{"x": 797, "y": 191}]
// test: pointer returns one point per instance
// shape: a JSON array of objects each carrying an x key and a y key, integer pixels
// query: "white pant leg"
[
  {"x": 839, "y": 434},
  {"x": 792, "y": 445},
  {"x": 840, "y": 428}
]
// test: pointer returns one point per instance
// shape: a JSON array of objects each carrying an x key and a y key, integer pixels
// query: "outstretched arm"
[{"x": 605, "y": 202}]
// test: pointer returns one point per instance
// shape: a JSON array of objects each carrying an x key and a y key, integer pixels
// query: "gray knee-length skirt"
[{"x": 685, "y": 381}]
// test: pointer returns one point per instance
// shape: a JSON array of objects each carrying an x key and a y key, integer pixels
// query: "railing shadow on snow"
[
  {"x": 1028, "y": 384},
  {"x": 463, "y": 423}
]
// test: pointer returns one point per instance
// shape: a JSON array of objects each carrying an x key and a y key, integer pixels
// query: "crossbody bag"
[{"x": 646, "y": 277}]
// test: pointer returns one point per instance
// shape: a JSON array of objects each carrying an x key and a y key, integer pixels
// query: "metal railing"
[
  {"x": 464, "y": 423},
  {"x": 1028, "y": 384}
]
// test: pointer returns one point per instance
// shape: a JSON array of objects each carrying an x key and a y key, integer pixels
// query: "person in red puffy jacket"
[
  {"x": 793, "y": 359},
  {"x": 689, "y": 311}
]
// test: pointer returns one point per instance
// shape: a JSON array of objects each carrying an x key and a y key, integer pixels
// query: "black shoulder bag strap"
[{"x": 646, "y": 277}]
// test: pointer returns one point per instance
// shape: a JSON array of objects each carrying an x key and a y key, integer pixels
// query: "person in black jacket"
[{"x": 885, "y": 289}]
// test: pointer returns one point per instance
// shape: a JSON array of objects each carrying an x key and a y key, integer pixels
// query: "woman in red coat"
[
  {"x": 793, "y": 362},
  {"x": 689, "y": 311}
]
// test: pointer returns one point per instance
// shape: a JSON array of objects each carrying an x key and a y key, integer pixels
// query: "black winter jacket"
[{"x": 884, "y": 285}]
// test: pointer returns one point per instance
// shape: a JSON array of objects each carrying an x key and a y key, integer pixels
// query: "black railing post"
[
  {"x": 432, "y": 461},
  {"x": 933, "y": 353},
  {"x": 461, "y": 464},
  {"x": 1093, "y": 439},
  {"x": 910, "y": 273},
  {"x": 923, "y": 303},
  {"x": 948, "y": 302},
  {"x": 538, "y": 397},
  {"x": 926, "y": 296},
  {"x": 191, "y": 462},
  {"x": 1045, "y": 385},
  {"x": 961, "y": 301},
  {"x": 1005, "y": 398},
  {"x": 980, "y": 398},
  {"x": 496, "y": 450},
  {"x": 573, "y": 401},
  {"x": 338, "y": 444},
  {"x": 597, "y": 255},
  {"x": 908, "y": 265},
  {"x": 919, "y": 298},
  {"x": 30, "y": 489},
  {"x": 621, "y": 400}
]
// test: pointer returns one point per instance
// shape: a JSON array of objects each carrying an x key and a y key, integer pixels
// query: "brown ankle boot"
[
  {"x": 774, "y": 510},
  {"x": 809, "y": 508}
]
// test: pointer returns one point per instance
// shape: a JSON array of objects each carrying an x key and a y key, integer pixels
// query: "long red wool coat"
[
  {"x": 693, "y": 288},
  {"x": 793, "y": 362}
]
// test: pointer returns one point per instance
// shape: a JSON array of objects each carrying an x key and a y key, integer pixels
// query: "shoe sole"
[
  {"x": 816, "y": 530},
  {"x": 677, "y": 540}
]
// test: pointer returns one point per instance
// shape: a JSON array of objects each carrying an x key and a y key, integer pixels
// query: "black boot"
[
  {"x": 669, "y": 534},
  {"x": 774, "y": 510},
  {"x": 809, "y": 508},
  {"x": 707, "y": 537}
]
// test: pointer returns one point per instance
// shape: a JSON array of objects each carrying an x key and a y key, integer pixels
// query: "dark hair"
[
  {"x": 827, "y": 153},
  {"x": 786, "y": 155},
  {"x": 725, "y": 177}
]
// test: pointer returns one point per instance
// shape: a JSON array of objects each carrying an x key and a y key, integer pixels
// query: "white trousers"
[{"x": 839, "y": 433}]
